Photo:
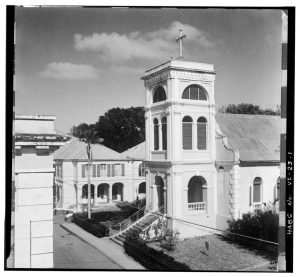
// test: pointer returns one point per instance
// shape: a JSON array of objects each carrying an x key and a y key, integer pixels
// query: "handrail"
[
  {"x": 132, "y": 219},
  {"x": 129, "y": 221}
]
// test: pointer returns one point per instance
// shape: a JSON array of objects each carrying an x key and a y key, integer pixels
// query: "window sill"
[
  {"x": 158, "y": 151},
  {"x": 195, "y": 150}
]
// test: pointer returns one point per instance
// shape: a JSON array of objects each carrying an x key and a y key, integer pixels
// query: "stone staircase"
[{"x": 140, "y": 225}]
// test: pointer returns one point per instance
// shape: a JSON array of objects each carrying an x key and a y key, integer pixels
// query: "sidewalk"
[{"x": 111, "y": 250}]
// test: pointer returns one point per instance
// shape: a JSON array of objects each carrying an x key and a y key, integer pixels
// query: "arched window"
[
  {"x": 142, "y": 170},
  {"x": 197, "y": 194},
  {"x": 85, "y": 191},
  {"x": 187, "y": 133},
  {"x": 194, "y": 92},
  {"x": 156, "y": 134},
  {"x": 201, "y": 133},
  {"x": 164, "y": 132},
  {"x": 257, "y": 190},
  {"x": 159, "y": 95}
]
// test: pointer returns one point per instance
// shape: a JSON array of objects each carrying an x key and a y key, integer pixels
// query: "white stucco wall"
[
  {"x": 269, "y": 175},
  {"x": 34, "y": 175},
  {"x": 34, "y": 218}
]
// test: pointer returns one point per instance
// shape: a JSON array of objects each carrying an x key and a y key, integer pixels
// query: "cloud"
[
  {"x": 69, "y": 71},
  {"x": 156, "y": 45}
]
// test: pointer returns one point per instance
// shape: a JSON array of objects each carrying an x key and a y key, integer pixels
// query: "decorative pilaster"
[{"x": 234, "y": 192}]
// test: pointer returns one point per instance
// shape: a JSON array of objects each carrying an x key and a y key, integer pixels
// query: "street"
[{"x": 70, "y": 252}]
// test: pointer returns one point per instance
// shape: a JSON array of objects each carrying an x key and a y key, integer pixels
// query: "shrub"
[
  {"x": 148, "y": 256},
  {"x": 90, "y": 225},
  {"x": 169, "y": 240},
  {"x": 116, "y": 216},
  {"x": 262, "y": 224}
]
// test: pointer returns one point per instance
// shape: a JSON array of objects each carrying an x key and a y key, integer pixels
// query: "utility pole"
[{"x": 88, "y": 149}]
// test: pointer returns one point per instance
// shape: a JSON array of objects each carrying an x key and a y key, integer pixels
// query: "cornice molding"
[{"x": 205, "y": 77}]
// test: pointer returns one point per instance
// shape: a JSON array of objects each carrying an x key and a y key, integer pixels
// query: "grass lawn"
[{"x": 221, "y": 256}]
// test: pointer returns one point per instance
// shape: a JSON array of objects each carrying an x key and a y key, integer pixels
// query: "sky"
[{"x": 76, "y": 63}]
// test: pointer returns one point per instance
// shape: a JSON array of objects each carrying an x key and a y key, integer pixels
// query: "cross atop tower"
[{"x": 181, "y": 37}]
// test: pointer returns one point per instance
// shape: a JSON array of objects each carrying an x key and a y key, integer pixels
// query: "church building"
[{"x": 203, "y": 167}]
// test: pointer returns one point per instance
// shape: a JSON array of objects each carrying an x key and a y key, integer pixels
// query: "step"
[
  {"x": 116, "y": 241},
  {"x": 119, "y": 238}
]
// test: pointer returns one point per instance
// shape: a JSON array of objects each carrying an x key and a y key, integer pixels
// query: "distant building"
[
  {"x": 205, "y": 168},
  {"x": 32, "y": 215},
  {"x": 114, "y": 176}
]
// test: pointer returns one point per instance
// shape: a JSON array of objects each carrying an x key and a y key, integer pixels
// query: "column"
[
  {"x": 109, "y": 196},
  {"x": 148, "y": 189},
  {"x": 160, "y": 134},
  {"x": 194, "y": 135},
  {"x": 154, "y": 198},
  {"x": 165, "y": 188},
  {"x": 95, "y": 194},
  {"x": 77, "y": 198}
]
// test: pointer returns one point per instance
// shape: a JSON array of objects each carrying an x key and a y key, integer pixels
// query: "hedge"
[
  {"x": 116, "y": 216},
  {"x": 90, "y": 225},
  {"x": 262, "y": 224},
  {"x": 151, "y": 258}
]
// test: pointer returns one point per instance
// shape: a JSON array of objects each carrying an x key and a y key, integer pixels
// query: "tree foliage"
[
  {"x": 86, "y": 133},
  {"x": 245, "y": 108},
  {"x": 119, "y": 128}
]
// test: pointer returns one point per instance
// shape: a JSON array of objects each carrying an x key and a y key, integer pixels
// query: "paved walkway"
[
  {"x": 111, "y": 250},
  {"x": 70, "y": 252}
]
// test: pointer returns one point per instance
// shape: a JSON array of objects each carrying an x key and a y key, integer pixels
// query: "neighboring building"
[
  {"x": 204, "y": 167},
  {"x": 35, "y": 142},
  {"x": 114, "y": 176}
]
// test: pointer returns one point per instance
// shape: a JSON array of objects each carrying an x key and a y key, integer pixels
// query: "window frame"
[
  {"x": 205, "y": 124},
  {"x": 260, "y": 184},
  {"x": 200, "y": 89},
  {"x": 187, "y": 123},
  {"x": 155, "y": 134},
  {"x": 156, "y": 91},
  {"x": 164, "y": 133}
]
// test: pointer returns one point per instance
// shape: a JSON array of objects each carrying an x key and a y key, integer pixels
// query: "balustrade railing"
[{"x": 196, "y": 206}]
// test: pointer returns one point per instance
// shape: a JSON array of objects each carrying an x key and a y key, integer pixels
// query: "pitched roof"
[
  {"x": 137, "y": 152},
  {"x": 256, "y": 137},
  {"x": 76, "y": 150}
]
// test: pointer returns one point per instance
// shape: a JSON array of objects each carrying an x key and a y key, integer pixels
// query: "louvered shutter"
[
  {"x": 113, "y": 173},
  {"x": 186, "y": 94},
  {"x": 156, "y": 137},
  {"x": 194, "y": 93},
  {"x": 123, "y": 169},
  {"x": 164, "y": 135},
  {"x": 108, "y": 170},
  {"x": 83, "y": 171},
  {"x": 94, "y": 170},
  {"x": 98, "y": 170},
  {"x": 187, "y": 134},
  {"x": 201, "y": 136},
  {"x": 250, "y": 196},
  {"x": 256, "y": 193}
]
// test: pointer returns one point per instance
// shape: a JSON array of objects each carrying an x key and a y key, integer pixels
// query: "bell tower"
[{"x": 180, "y": 139}]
